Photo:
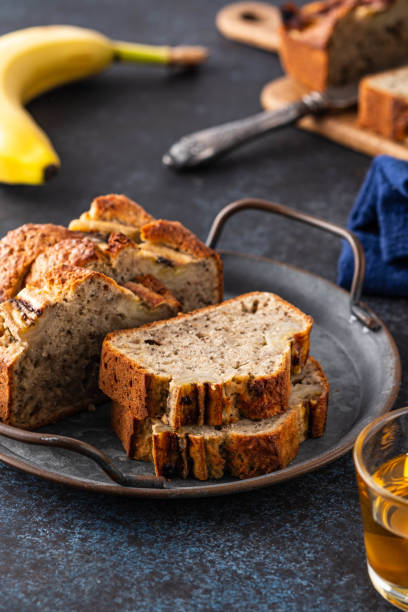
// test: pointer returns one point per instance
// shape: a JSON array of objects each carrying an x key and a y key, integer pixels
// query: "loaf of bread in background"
[
  {"x": 334, "y": 42},
  {"x": 383, "y": 103}
]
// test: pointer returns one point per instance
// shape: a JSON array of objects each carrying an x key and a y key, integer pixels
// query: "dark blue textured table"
[{"x": 296, "y": 546}]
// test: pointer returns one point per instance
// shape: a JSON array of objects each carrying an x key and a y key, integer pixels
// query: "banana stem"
[{"x": 153, "y": 54}]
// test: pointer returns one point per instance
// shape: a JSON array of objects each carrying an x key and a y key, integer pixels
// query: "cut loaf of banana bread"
[
  {"x": 51, "y": 337},
  {"x": 164, "y": 249},
  {"x": 243, "y": 449},
  {"x": 212, "y": 366},
  {"x": 383, "y": 103},
  {"x": 334, "y": 42},
  {"x": 118, "y": 238}
]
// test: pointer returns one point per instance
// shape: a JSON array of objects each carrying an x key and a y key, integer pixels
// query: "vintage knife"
[{"x": 201, "y": 147}]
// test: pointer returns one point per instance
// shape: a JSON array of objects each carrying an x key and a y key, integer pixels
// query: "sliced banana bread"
[
  {"x": 243, "y": 449},
  {"x": 212, "y": 366},
  {"x": 118, "y": 238},
  {"x": 51, "y": 337},
  {"x": 164, "y": 249},
  {"x": 332, "y": 42},
  {"x": 383, "y": 103}
]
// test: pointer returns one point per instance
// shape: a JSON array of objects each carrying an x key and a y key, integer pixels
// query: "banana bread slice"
[
  {"x": 51, "y": 338},
  {"x": 243, "y": 449},
  {"x": 212, "y": 366},
  {"x": 333, "y": 42},
  {"x": 383, "y": 103}
]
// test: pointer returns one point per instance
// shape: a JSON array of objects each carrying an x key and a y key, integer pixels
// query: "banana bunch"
[{"x": 37, "y": 59}]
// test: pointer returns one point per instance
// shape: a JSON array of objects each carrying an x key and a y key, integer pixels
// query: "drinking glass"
[{"x": 381, "y": 463}]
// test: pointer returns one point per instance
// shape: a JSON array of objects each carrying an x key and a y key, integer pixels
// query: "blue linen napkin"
[{"x": 379, "y": 218}]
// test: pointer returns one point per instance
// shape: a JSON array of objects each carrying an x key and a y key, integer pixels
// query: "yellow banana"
[{"x": 37, "y": 59}]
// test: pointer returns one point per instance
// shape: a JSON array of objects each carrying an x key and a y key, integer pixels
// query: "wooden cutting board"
[
  {"x": 253, "y": 23},
  {"x": 338, "y": 126},
  {"x": 256, "y": 24}
]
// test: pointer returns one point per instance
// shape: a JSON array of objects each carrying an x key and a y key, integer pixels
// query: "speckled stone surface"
[{"x": 296, "y": 546}]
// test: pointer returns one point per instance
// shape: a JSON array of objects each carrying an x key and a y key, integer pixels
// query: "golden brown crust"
[
  {"x": 306, "y": 40},
  {"x": 381, "y": 111},
  {"x": 6, "y": 388},
  {"x": 242, "y": 455},
  {"x": 175, "y": 235},
  {"x": 123, "y": 424},
  {"x": 250, "y": 455},
  {"x": 132, "y": 433},
  {"x": 157, "y": 292},
  {"x": 133, "y": 392},
  {"x": 120, "y": 208},
  {"x": 307, "y": 65},
  {"x": 112, "y": 213},
  {"x": 169, "y": 451},
  {"x": 267, "y": 396},
  {"x": 151, "y": 298},
  {"x": 318, "y": 406},
  {"x": 80, "y": 252},
  {"x": 211, "y": 452},
  {"x": 197, "y": 456},
  {"x": 19, "y": 249},
  {"x": 66, "y": 277},
  {"x": 117, "y": 242}
]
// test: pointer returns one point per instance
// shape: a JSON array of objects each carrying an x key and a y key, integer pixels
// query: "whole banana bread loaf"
[
  {"x": 333, "y": 42},
  {"x": 243, "y": 449},
  {"x": 212, "y": 366}
]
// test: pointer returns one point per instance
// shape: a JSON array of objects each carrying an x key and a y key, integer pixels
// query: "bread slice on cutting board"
[{"x": 383, "y": 103}]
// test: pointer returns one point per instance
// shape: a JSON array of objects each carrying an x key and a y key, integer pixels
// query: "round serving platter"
[{"x": 362, "y": 366}]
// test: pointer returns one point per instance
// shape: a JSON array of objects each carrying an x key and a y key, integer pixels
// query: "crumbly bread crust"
[
  {"x": 113, "y": 213},
  {"x": 108, "y": 240},
  {"x": 207, "y": 396},
  {"x": 244, "y": 449},
  {"x": 174, "y": 234},
  {"x": 332, "y": 42},
  {"x": 152, "y": 292},
  {"x": 383, "y": 104},
  {"x": 51, "y": 337},
  {"x": 20, "y": 248}
]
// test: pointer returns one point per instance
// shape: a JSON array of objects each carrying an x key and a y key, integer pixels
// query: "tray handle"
[
  {"x": 83, "y": 448},
  {"x": 361, "y": 311}
]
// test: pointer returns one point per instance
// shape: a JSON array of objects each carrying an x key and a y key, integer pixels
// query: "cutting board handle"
[
  {"x": 252, "y": 23},
  {"x": 359, "y": 310}
]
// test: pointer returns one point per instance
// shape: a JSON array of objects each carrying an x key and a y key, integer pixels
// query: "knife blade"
[{"x": 203, "y": 146}]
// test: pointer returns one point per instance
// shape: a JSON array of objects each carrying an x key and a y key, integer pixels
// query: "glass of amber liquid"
[{"x": 381, "y": 462}]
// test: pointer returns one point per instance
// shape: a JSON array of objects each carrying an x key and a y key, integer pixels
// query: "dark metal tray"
[{"x": 355, "y": 348}]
